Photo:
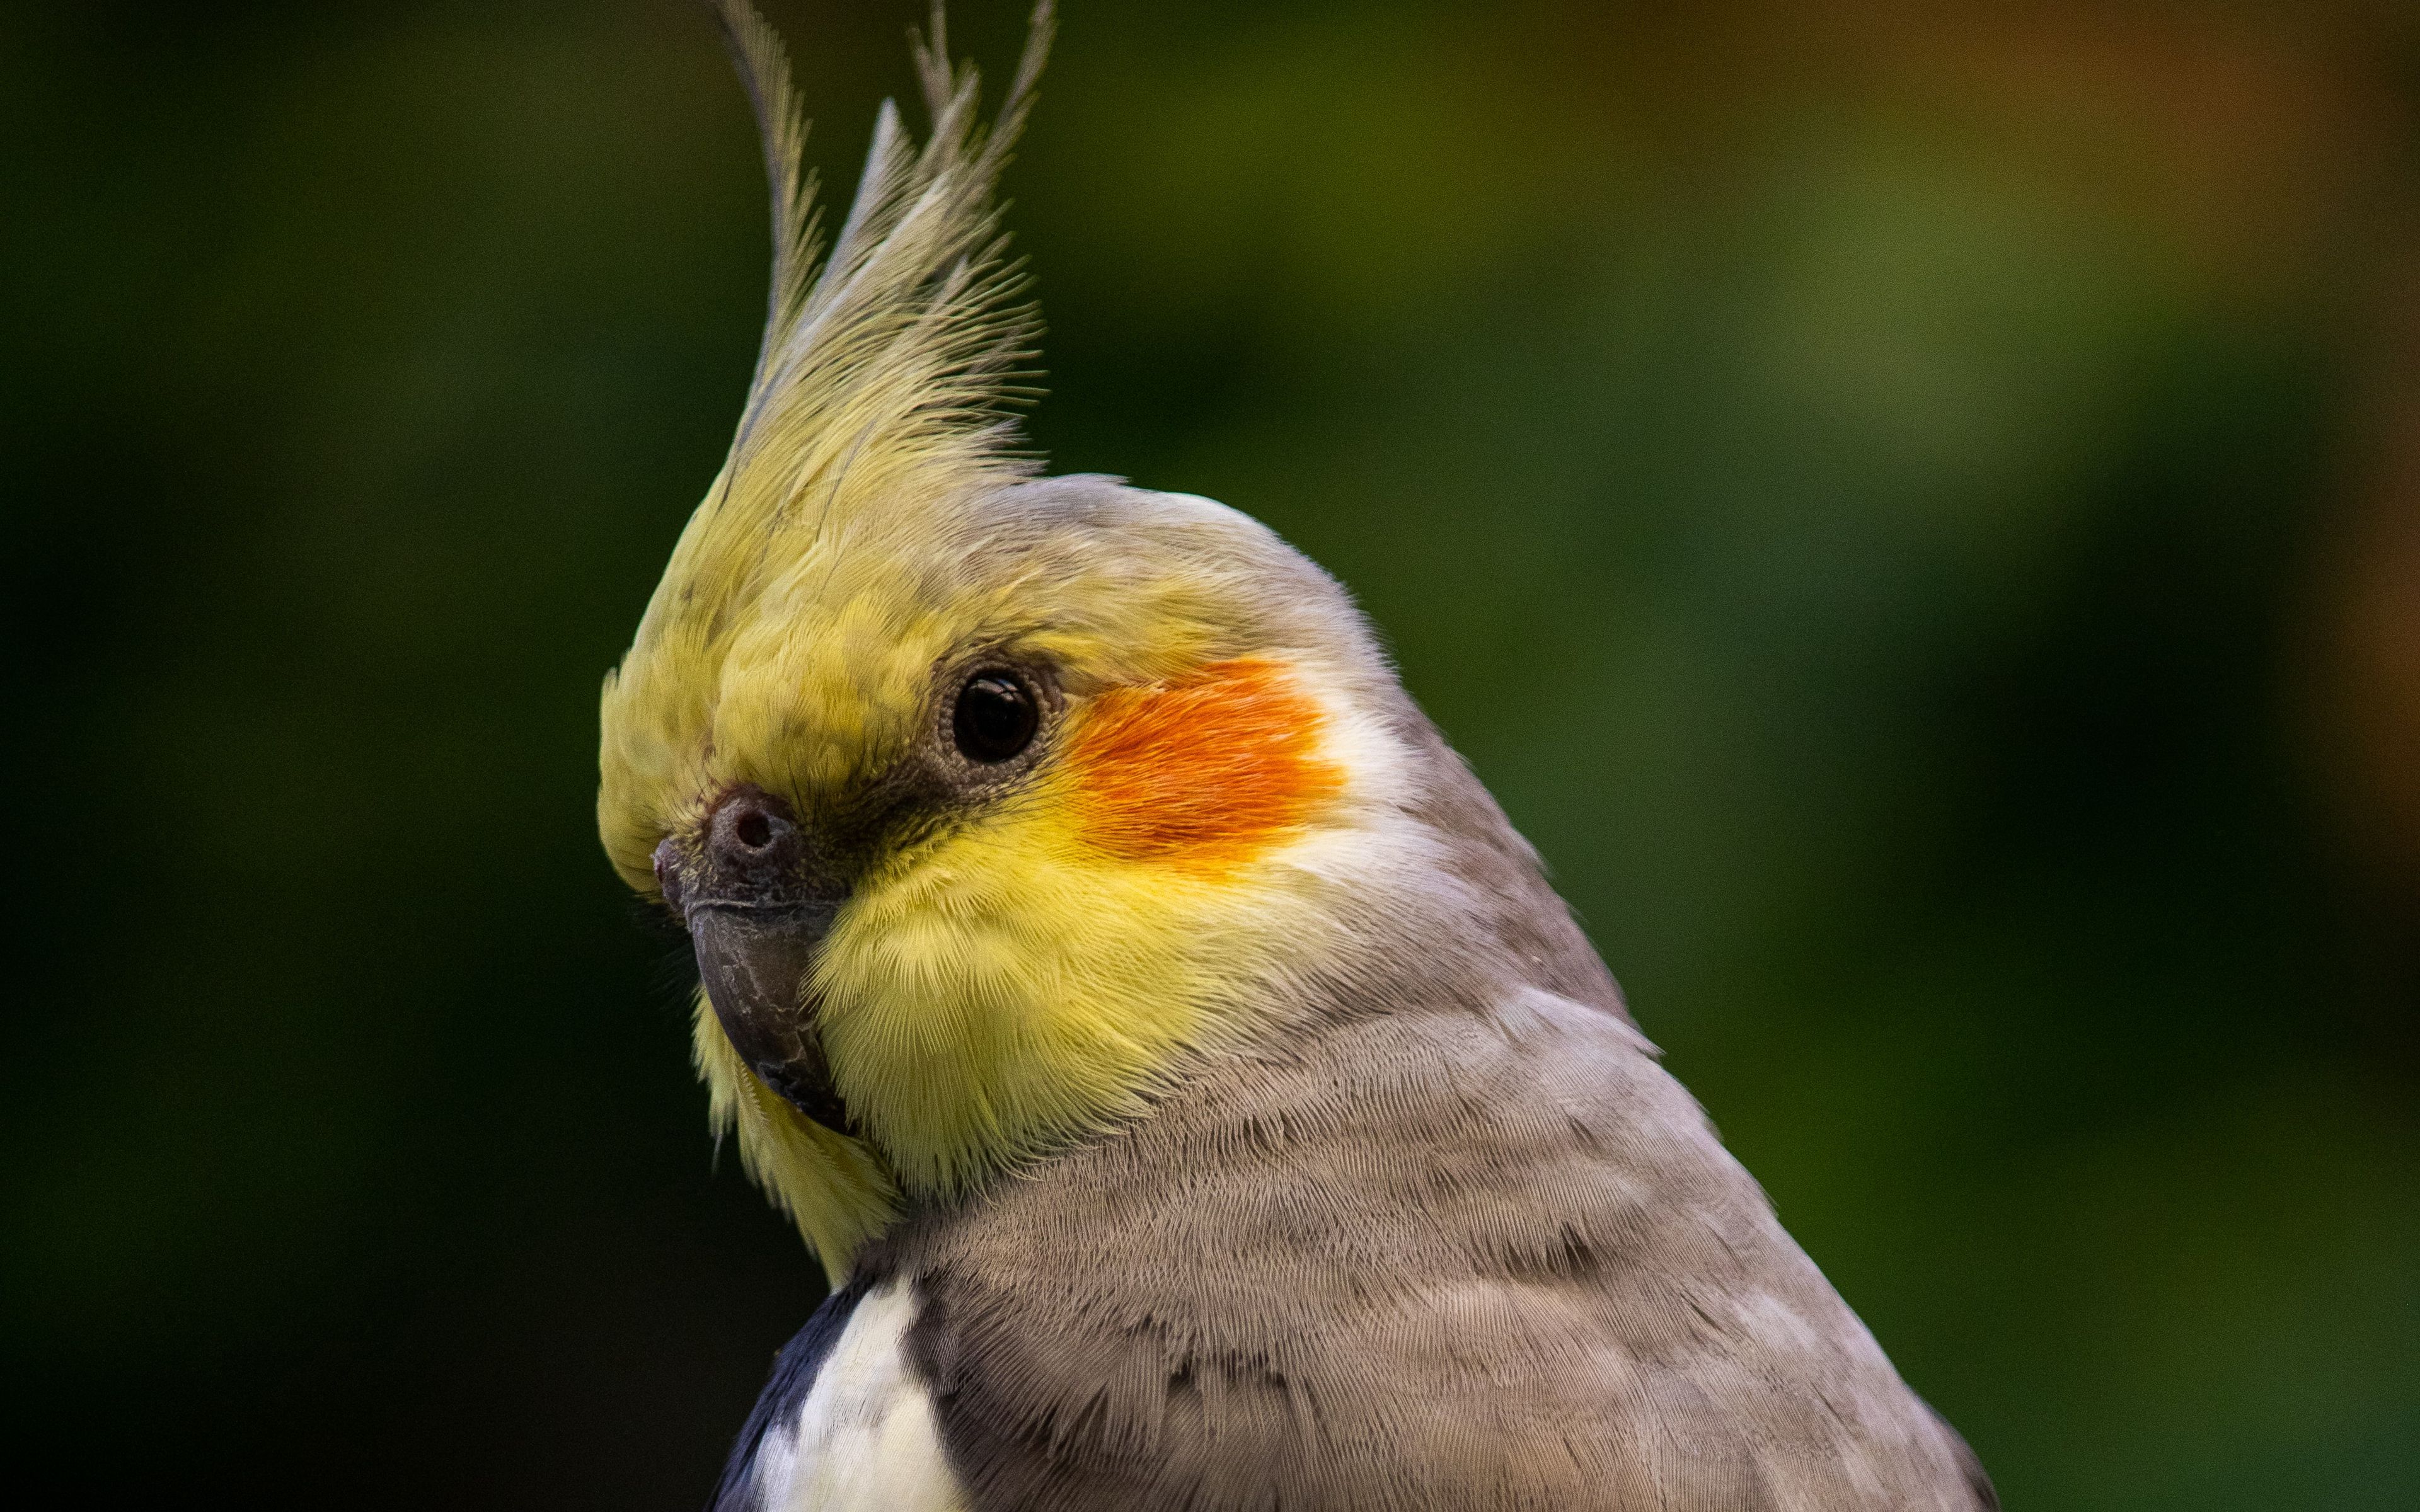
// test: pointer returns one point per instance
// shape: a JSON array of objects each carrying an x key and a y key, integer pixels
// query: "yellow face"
[
  {"x": 986, "y": 799},
  {"x": 1037, "y": 796}
]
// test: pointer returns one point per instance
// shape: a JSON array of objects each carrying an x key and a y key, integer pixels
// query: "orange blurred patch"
[{"x": 1203, "y": 773}]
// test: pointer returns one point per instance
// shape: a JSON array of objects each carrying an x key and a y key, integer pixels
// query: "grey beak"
[{"x": 757, "y": 909}]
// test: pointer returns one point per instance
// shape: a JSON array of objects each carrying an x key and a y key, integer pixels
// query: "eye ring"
[{"x": 995, "y": 716}]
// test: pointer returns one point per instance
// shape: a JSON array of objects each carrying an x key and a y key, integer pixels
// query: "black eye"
[{"x": 995, "y": 717}]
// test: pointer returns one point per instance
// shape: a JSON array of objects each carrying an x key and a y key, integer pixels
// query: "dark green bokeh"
[{"x": 1887, "y": 506}]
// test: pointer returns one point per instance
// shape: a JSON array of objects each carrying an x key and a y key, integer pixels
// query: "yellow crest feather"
[{"x": 883, "y": 374}]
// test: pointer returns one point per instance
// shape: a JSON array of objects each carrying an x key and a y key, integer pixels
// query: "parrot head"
[
  {"x": 986, "y": 799},
  {"x": 1133, "y": 998}
]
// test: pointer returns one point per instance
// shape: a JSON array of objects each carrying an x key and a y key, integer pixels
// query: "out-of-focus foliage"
[{"x": 1916, "y": 511}]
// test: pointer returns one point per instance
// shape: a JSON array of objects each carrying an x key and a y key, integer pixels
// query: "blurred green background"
[{"x": 1915, "y": 509}]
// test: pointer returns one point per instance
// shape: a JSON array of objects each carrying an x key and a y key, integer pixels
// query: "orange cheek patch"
[{"x": 1205, "y": 771}]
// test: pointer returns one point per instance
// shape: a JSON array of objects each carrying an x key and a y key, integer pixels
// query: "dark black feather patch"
[{"x": 794, "y": 1375}]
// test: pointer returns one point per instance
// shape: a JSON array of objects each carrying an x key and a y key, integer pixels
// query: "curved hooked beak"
[{"x": 757, "y": 907}]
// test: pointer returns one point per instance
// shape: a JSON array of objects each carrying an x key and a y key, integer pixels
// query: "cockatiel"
[{"x": 1189, "y": 1083}]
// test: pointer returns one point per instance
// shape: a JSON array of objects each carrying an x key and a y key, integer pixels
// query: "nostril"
[{"x": 753, "y": 829}]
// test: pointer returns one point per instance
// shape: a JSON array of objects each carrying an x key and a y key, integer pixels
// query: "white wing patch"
[{"x": 864, "y": 1439}]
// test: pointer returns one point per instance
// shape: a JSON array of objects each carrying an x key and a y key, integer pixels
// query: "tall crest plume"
[
  {"x": 882, "y": 390},
  {"x": 888, "y": 362}
]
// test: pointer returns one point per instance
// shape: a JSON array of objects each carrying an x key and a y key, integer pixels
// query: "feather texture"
[
  {"x": 879, "y": 382},
  {"x": 879, "y": 398}
]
